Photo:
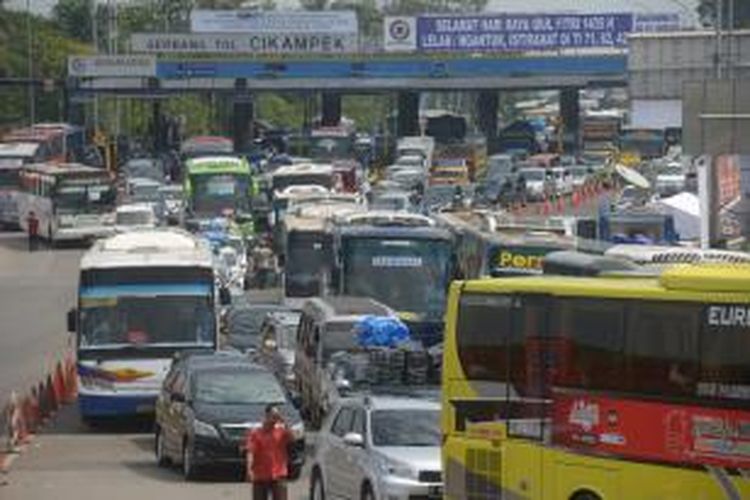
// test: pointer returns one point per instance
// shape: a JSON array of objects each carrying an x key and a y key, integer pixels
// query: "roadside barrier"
[{"x": 24, "y": 415}]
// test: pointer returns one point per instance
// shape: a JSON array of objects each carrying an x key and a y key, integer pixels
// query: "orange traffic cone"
[
  {"x": 58, "y": 385},
  {"x": 71, "y": 380}
]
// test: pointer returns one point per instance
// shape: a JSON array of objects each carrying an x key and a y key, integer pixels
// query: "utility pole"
[
  {"x": 30, "y": 61},
  {"x": 95, "y": 39}
]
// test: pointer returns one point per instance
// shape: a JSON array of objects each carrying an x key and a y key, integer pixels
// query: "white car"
[
  {"x": 561, "y": 180},
  {"x": 379, "y": 447},
  {"x": 578, "y": 175},
  {"x": 537, "y": 185},
  {"x": 134, "y": 216}
]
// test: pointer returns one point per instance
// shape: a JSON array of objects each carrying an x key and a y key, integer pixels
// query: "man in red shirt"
[{"x": 267, "y": 457}]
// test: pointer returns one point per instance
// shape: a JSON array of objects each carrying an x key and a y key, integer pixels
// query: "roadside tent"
[{"x": 685, "y": 210}]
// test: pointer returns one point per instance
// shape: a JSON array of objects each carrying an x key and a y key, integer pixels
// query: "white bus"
[
  {"x": 13, "y": 156},
  {"x": 71, "y": 201},
  {"x": 143, "y": 296}
]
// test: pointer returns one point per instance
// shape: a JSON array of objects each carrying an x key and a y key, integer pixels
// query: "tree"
[
  {"x": 74, "y": 18},
  {"x": 414, "y": 7},
  {"x": 708, "y": 13}
]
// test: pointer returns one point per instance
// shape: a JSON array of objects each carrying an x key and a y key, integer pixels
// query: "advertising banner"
[
  {"x": 112, "y": 66},
  {"x": 522, "y": 32},
  {"x": 519, "y": 32},
  {"x": 649, "y": 430},
  {"x": 244, "y": 43},
  {"x": 274, "y": 23}
]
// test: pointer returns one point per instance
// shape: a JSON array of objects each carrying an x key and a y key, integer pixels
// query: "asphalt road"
[
  {"x": 69, "y": 460},
  {"x": 36, "y": 290}
]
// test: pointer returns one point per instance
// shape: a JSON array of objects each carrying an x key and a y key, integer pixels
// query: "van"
[{"x": 327, "y": 326}]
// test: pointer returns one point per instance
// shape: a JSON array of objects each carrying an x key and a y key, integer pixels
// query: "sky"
[{"x": 684, "y": 7}]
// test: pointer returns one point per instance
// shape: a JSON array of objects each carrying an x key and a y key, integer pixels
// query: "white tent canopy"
[{"x": 685, "y": 209}]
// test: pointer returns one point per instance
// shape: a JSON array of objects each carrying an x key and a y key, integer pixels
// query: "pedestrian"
[
  {"x": 267, "y": 457},
  {"x": 32, "y": 222}
]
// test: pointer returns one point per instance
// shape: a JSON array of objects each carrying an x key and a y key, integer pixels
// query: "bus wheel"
[{"x": 585, "y": 495}]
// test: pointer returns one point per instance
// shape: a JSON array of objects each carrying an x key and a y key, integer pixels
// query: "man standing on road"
[
  {"x": 267, "y": 456},
  {"x": 33, "y": 227}
]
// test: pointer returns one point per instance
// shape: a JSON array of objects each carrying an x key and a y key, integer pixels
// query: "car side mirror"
[
  {"x": 225, "y": 298},
  {"x": 72, "y": 320},
  {"x": 354, "y": 439},
  {"x": 177, "y": 397}
]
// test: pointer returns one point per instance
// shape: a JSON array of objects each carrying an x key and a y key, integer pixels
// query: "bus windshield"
[
  {"x": 308, "y": 256},
  {"x": 158, "y": 320},
  {"x": 81, "y": 198},
  {"x": 409, "y": 275},
  {"x": 214, "y": 193}
]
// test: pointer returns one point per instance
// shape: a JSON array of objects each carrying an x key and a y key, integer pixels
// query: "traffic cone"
[
  {"x": 44, "y": 410},
  {"x": 31, "y": 411},
  {"x": 49, "y": 396},
  {"x": 58, "y": 385},
  {"x": 71, "y": 380},
  {"x": 14, "y": 416},
  {"x": 576, "y": 199}
]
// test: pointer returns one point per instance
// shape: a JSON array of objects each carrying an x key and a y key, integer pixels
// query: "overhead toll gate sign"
[
  {"x": 138, "y": 66},
  {"x": 340, "y": 22},
  {"x": 244, "y": 43}
]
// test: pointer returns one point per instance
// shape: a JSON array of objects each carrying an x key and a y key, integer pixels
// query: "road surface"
[{"x": 69, "y": 460}]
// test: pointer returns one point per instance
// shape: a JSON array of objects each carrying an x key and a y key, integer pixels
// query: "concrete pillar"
[
  {"x": 408, "y": 114},
  {"x": 243, "y": 115},
  {"x": 487, "y": 103},
  {"x": 570, "y": 114},
  {"x": 330, "y": 115}
]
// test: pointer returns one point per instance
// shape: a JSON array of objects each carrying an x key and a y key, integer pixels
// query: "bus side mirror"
[
  {"x": 72, "y": 320},
  {"x": 225, "y": 298}
]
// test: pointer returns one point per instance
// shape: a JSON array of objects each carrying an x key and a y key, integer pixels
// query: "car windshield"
[
  {"x": 134, "y": 218},
  {"x": 578, "y": 172},
  {"x": 238, "y": 387},
  {"x": 533, "y": 175},
  {"x": 406, "y": 427},
  {"x": 144, "y": 192},
  {"x": 671, "y": 171}
]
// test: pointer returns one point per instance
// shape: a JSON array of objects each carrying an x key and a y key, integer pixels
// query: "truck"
[
  {"x": 420, "y": 145},
  {"x": 453, "y": 145},
  {"x": 600, "y": 131}
]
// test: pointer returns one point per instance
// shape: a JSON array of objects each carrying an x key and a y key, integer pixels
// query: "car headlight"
[
  {"x": 398, "y": 469},
  {"x": 298, "y": 430},
  {"x": 204, "y": 429}
]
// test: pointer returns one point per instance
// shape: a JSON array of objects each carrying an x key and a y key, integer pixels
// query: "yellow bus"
[{"x": 583, "y": 388}]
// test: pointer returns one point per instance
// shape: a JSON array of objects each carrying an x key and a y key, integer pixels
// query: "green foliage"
[
  {"x": 73, "y": 17},
  {"x": 50, "y": 50}
]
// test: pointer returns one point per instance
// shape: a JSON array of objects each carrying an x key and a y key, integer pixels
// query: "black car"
[
  {"x": 208, "y": 402},
  {"x": 244, "y": 322}
]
